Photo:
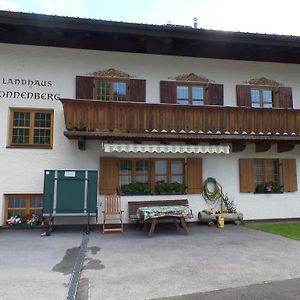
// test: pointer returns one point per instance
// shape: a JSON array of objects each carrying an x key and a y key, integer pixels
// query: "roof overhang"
[
  {"x": 159, "y": 148},
  {"x": 55, "y": 31}
]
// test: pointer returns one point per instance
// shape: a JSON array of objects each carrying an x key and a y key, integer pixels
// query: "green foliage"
[
  {"x": 166, "y": 187},
  {"x": 268, "y": 187},
  {"x": 136, "y": 188},
  {"x": 230, "y": 206}
]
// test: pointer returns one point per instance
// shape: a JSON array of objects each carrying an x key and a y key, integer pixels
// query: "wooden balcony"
[{"x": 131, "y": 121}]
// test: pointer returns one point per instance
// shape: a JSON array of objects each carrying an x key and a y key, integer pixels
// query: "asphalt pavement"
[{"x": 209, "y": 263}]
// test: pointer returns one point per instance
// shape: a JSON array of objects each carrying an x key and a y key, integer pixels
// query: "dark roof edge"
[{"x": 21, "y": 18}]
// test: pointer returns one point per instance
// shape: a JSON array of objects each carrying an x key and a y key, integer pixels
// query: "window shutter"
[
  {"x": 243, "y": 95},
  {"x": 109, "y": 175},
  {"x": 84, "y": 87},
  {"x": 194, "y": 175},
  {"x": 285, "y": 97},
  {"x": 137, "y": 90},
  {"x": 289, "y": 175},
  {"x": 246, "y": 167},
  {"x": 215, "y": 94},
  {"x": 168, "y": 92}
]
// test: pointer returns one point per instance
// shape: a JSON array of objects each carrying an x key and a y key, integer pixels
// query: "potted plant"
[
  {"x": 268, "y": 187},
  {"x": 166, "y": 188},
  {"x": 138, "y": 188}
]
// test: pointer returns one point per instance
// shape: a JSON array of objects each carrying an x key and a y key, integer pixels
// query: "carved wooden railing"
[{"x": 130, "y": 117}]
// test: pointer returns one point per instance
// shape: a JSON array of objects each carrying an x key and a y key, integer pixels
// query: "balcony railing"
[{"x": 125, "y": 118}]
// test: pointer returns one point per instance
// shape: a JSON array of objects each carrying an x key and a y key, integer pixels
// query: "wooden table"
[{"x": 178, "y": 213}]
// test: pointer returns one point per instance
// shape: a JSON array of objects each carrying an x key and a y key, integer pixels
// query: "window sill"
[
  {"x": 268, "y": 192},
  {"x": 29, "y": 147}
]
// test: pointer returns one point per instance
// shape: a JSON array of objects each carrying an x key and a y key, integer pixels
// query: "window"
[
  {"x": 31, "y": 127},
  {"x": 190, "y": 94},
  {"x": 261, "y": 97},
  {"x": 268, "y": 175},
  {"x": 266, "y": 172},
  {"x": 110, "y": 90},
  {"x": 169, "y": 170},
  {"x": 21, "y": 204},
  {"x": 133, "y": 171},
  {"x": 115, "y": 172},
  {"x": 138, "y": 171}
]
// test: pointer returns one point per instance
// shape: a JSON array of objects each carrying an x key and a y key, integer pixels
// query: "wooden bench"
[{"x": 134, "y": 205}]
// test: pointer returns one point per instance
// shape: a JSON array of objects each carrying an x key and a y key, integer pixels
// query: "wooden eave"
[
  {"x": 182, "y": 137},
  {"x": 55, "y": 31}
]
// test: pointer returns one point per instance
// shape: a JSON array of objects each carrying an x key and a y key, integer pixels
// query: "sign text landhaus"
[{"x": 25, "y": 94}]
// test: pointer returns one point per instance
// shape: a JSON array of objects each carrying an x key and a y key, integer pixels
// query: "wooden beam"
[
  {"x": 284, "y": 147},
  {"x": 238, "y": 147},
  {"x": 81, "y": 143},
  {"x": 262, "y": 147}
]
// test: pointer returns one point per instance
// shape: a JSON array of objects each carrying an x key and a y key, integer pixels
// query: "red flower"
[{"x": 26, "y": 216}]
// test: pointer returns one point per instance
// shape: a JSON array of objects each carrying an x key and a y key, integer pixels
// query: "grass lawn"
[{"x": 289, "y": 230}]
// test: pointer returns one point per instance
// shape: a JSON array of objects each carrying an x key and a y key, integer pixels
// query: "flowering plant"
[
  {"x": 14, "y": 220},
  {"x": 33, "y": 220},
  {"x": 268, "y": 187}
]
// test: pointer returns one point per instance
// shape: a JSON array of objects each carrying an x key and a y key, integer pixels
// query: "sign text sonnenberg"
[{"x": 27, "y": 83}]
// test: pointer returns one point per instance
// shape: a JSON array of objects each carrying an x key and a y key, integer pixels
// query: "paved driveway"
[{"x": 132, "y": 266}]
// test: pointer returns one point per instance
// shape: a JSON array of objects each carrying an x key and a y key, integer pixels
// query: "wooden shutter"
[
  {"x": 246, "y": 167},
  {"x": 215, "y": 94},
  {"x": 84, "y": 87},
  {"x": 285, "y": 98},
  {"x": 137, "y": 90},
  {"x": 243, "y": 95},
  {"x": 109, "y": 175},
  {"x": 289, "y": 175},
  {"x": 194, "y": 175},
  {"x": 168, "y": 92}
]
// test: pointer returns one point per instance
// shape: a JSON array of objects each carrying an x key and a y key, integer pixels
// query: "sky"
[{"x": 257, "y": 16}]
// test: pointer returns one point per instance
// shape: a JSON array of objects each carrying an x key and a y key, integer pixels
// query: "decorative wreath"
[{"x": 212, "y": 190}]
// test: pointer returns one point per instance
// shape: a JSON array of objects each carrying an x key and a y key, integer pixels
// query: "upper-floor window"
[
  {"x": 31, "y": 127},
  {"x": 190, "y": 94},
  {"x": 262, "y": 97},
  {"x": 111, "y": 89}
]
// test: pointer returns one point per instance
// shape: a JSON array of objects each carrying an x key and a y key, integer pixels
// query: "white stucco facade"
[{"x": 22, "y": 168}]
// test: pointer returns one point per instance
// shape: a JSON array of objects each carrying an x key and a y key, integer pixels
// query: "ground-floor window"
[
  {"x": 23, "y": 205},
  {"x": 146, "y": 175},
  {"x": 268, "y": 175},
  {"x": 150, "y": 175}
]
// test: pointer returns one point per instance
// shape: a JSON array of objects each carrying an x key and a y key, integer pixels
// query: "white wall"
[{"x": 21, "y": 170}]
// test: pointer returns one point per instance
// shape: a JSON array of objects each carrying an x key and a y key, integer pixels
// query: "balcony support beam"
[
  {"x": 238, "y": 147},
  {"x": 81, "y": 143},
  {"x": 262, "y": 147},
  {"x": 284, "y": 147}
]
